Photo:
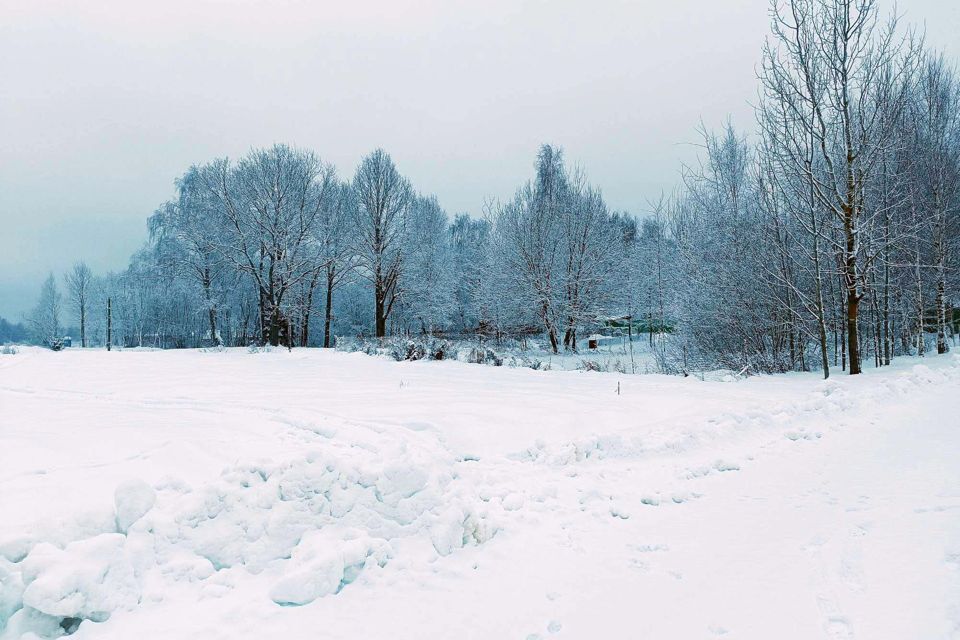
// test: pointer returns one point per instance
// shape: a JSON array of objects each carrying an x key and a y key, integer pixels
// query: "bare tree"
[
  {"x": 336, "y": 235},
  {"x": 841, "y": 79},
  {"x": 44, "y": 320},
  {"x": 427, "y": 277},
  {"x": 382, "y": 202},
  {"x": 592, "y": 247},
  {"x": 187, "y": 234},
  {"x": 937, "y": 118},
  {"x": 469, "y": 244},
  {"x": 270, "y": 203},
  {"x": 79, "y": 281}
]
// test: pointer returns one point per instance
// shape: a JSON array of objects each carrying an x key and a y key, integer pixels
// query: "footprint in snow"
[
  {"x": 838, "y": 629},
  {"x": 722, "y": 466},
  {"x": 835, "y": 624},
  {"x": 619, "y": 512}
]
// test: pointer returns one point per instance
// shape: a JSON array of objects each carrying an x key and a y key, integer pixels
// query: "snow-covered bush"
[
  {"x": 8, "y": 350},
  {"x": 399, "y": 349},
  {"x": 480, "y": 355},
  {"x": 589, "y": 365},
  {"x": 254, "y": 348},
  {"x": 217, "y": 348},
  {"x": 408, "y": 350}
]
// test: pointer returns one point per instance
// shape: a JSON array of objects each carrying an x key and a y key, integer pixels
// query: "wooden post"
[{"x": 109, "y": 324}]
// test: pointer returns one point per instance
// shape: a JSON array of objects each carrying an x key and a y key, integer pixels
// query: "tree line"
[{"x": 827, "y": 241}]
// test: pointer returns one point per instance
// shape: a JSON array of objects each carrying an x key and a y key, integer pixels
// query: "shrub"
[{"x": 589, "y": 365}]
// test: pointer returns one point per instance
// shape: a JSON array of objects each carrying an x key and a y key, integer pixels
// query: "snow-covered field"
[{"x": 321, "y": 494}]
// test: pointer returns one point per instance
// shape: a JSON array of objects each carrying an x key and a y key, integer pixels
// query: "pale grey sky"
[{"x": 104, "y": 103}]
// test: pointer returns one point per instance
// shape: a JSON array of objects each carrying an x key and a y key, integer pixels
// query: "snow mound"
[
  {"x": 830, "y": 398},
  {"x": 11, "y": 592},
  {"x": 133, "y": 499},
  {"x": 87, "y": 580},
  {"x": 459, "y": 527},
  {"x": 315, "y": 524},
  {"x": 322, "y": 565},
  {"x": 257, "y": 514}
]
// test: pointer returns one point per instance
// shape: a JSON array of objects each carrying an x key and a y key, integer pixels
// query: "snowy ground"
[{"x": 322, "y": 494}]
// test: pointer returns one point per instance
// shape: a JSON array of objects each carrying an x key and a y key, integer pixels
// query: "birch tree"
[
  {"x": 842, "y": 78},
  {"x": 44, "y": 320}
]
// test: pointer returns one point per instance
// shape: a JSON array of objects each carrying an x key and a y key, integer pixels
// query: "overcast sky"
[{"x": 104, "y": 104}]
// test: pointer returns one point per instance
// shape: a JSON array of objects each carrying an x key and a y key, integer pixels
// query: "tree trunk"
[
  {"x": 850, "y": 275},
  {"x": 941, "y": 302},
  {"x": 548, "y": 325},
  {"x": 212, "y": 318},
  {"x": 887, "y": 334},
  {"x": 328, "y": 314},
  {"x": 83, "y": 325},
  {"x": 381, "y": 319},
  {"x": 853, "y": 335},
  {"x": 305, "y": 325},
  {"x": 274, "y": 326},
  {"x": 554, "y": 345},
  {"x": 211, "y": 308},
  {"x": 921, "y": 345},
  {"x": 843, "y": 337},
  {"x": 570, "y": 336},
  {"x": 821, "y": 312}
]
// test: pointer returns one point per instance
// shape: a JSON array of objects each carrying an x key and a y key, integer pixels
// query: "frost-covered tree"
[
  {"x": 558, "y": 250},
  {"x": 187, "y": 234},
  {"x": 383, "y": 199},
  {"x": 529, "y": 241},
  {"x": 44, "y": 321},
  {"x": 469, "y": 245},
  {"x": 936, "y": 114},
  {"x": 593, "y": 249},
  {"x": 839, "y": 78},
  {"x": 427, "y": 278},
  {"x": 336, "y": 234},
  {"x": 724, "y": 308},
  {"x": 270, "y": 203},
  {"x": 79, "y": 282}
]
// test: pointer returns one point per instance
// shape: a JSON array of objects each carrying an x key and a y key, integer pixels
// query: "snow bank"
[
  {"x": 324, "y": 562},
  {"x": 132, "y": 499},
  {"x": 312, "y": 524},
  {"x": 829, "y": 398},
  {"x": 87, "y": 579}
]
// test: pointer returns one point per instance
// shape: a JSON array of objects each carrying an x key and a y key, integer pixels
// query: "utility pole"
[{"x": 109, "y": 324}]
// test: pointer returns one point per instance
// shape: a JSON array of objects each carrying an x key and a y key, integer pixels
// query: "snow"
[
  {"x": 87, "y": 579},
  {"x": 279, "y": 494},
  {"x": 132, "y": 500}
]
